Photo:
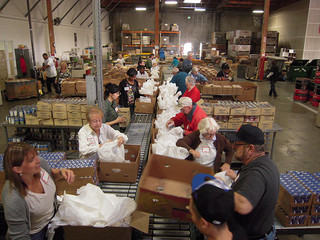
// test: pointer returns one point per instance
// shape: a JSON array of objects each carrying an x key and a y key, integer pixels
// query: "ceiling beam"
[
  {"x": 4, "y": 5},
  {"x": 81, "y": 12},
  {"x": 54, "y": 8},
  {"x": 69, "y": 10},
  {"x": 34, "y": 5}
]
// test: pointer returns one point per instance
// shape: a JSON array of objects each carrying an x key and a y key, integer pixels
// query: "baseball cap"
[
  {"x": 248, "y": 134},
  {"x": 212, "y": 198},
  {"x": 184, "y": 102}
]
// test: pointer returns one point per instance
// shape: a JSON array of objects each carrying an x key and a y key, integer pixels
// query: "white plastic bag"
[
  {"x": 226, "y": 179},
  {"x": 92, "y": 207},
  {"x": 111, "y": 152}
]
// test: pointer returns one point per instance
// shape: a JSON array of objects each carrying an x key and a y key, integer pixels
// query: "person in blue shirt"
[
  {"x": 187, "y": 63},
  {"x": 175, "y": 62},
  {"x": 161, "y": 54},
  {"x": 198, "y": 76},
  {"x": 179, "y": 78}
]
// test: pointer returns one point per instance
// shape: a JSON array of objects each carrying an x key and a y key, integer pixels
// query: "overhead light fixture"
[
  {"x": 170, "y": 2},
  {"x": 200, "y": 9},
  {"x": 258, "y": 11},
  {"x": 189, "y": 17},
  {"x": 192, "y": 1},
  {"x": 141, "y": 8}
]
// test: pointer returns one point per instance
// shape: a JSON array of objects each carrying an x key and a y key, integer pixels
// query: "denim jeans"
[
  {"x": 40, "y": 235},
  {"x": 271, "y": 235}
]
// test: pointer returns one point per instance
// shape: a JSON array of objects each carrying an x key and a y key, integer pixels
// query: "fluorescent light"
[
  {"x": 200, "y": 9},
  {"x": 192, "y": 1},
  {"x": 141, "y": 8},
  {"x": 170, "y": 2},
  {"x": 257, "y": 11}
]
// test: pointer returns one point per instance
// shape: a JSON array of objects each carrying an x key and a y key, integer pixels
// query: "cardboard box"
[
  {"x": 314, "y": 220},
  {"x": 83, "y": 116},
  {"x": 265, "y": 125},
  {"x": 165, "y": 186},
  {"x": 44, "y": 106},
  {"x": 83, "y": 176},
  {"x": 81, "y": 87},
  {"x": 294, "y": 210},
  {"x": 19, "y": 88},
  {"x": 31, "y": 120},
  {"x": 44, "y": 114},
  {"x": 268, "y": 110},
  {"x": 135, "y": 42},
  {"x": 122, "y": 172},
  {"x": 46, "y": 122},
  {"x": 74, "y": 107},
  {"x": 239, "y": 111},
  {"x": 68, "y": 87},
  {"x": 84, "y": 122},
  {"x": 207, "y": 89},
  {"x": 75, "y": 122},
  {"x": 221, "y": 110},
  {"x": 74, "y": 115},
  {"x": 264, "y": 118},
  {"x": 285, "y": 197},
  {"x": 236, "y": 119},
  {"x": 139, "y": 221},
  {"x": 227, "y": 90},
  {"x": 223, "y": 125},
  {"x": 84, "y": 108},
  {"x": 286, "y": 220},
  {"x": 217, "y": 89},
  {"x": 59, "y": 107},
  {"x": 60, "y": 115},
  {"x": 207, "y": 108},
  {"x": 255, "y": 111},
  {"x": 142, "y": 107},
  {"x": 125, "y": 112},
  {"x": 60, "y": 122},
  {"x": 237, "y": 90},
  {"x": 232, "y": 125}
]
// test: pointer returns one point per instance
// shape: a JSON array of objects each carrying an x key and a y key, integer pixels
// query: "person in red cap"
[
  {"x": 256, "y": 186},
  {"x": 192, "y": 91},
  {"x": 191, "y": 114},
  {"x": 211, "y": 207}
]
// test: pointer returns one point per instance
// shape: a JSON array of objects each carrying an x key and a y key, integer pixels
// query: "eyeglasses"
[{"x": 96, "y": 121}]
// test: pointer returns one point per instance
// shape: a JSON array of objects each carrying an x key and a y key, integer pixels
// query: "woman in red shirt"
[{"x": 192, "y": 91}]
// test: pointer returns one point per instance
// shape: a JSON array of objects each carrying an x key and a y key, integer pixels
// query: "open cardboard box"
[
  {"x": 122, "y": 172},
  {"x": 165, "y": 186},
  {"x": 143, "y": 107},
  {"x": 139, "y": 221}
]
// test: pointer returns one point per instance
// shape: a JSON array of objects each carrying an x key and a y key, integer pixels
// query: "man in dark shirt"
[
  {"x": 256, "y": 186},
  {"x": 273, "y": 76},
  {"x": 187, "y": 63}
]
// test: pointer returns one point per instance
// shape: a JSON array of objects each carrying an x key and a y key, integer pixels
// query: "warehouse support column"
[
  {"x": 50, "y": 27},
  {"x": 98, "y": 52},
  {"x": 156, "y": 27},
  {"x": 264, "y": 38}
]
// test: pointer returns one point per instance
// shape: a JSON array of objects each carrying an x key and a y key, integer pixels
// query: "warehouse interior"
[{"x": 293, "y": 143}]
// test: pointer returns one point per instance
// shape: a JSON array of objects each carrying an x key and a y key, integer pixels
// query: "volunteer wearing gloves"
[
  {"x": 191, "y": 114},
  {"x": 29, "y": 193},
  {"x": 224, "y": 73},
  {"x": 95, "y": 133},
  {"x": 192, "y": 91},
  {"x": 129, "y": 90},
  {"x": 206, "y": 145},
  {"x": 111, "y": 114}
]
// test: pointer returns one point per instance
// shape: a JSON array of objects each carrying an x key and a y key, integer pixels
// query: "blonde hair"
[
  {"x": 93, "y": 110},
  {"x": 64, "y": 64},
  {"x": 175, "y": 70},
  {"x": 208, "y": 124},
  {"x": 191, "y": 80},
  {"x": 195, "y": 69}
]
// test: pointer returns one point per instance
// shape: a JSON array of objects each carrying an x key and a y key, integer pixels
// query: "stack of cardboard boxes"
[
  {"x": 221, "y": 88},
  {"x": 299, "y": 199},
  {"x": 73, "y": 86},
  {"x": 239, "y": 42},
  {"x": 231, "y": 115}
]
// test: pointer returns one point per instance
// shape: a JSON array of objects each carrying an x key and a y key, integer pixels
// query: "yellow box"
[
  {"x": 60, "y": 122},
  {"x": 74, "y": 115},
  {"x": 234, "y": 125},
  {"x": 31, "y": 120},
  {"x": 236, "y": 119},
  {"x": 268, "y": 110},
  {"x": 44, "y": 114},
  {"x": 44, "y": 106},
  {"x": 265, "y": 125},
  {"x": 255, "y": 111},
  {"x": 59, "y": 107},
  {"x": 223, "y": 125},
  {"x": 75, "y": 122},
  {"x": 73, "y": 107},
  {"x": 60, "y": 115},
  {"x": 221, "y": 110}
]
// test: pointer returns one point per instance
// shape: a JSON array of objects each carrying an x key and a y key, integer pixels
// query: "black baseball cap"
[
  {"x": 248, "y": 134},
  {"x": 212, "y": 198}
]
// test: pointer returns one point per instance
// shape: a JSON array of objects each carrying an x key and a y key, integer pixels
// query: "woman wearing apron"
[{"x": 206, "y": 145}]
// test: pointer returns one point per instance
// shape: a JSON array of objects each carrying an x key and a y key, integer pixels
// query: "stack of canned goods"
[
  {"x": 17, "y": 138},
  {"x": 41, "y": 146},
  {"x": 17, "y": 114}
]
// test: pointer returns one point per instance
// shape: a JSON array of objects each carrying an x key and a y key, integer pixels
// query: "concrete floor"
[{"x": 295, "y": 148}]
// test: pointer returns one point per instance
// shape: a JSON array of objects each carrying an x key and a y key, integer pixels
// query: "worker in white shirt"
[
  {"x": 51, "y": 71},
  {"x": 142, "y": 74},
  {"x": 94, "y": 134},
  {"x": 120, "y": 60}
]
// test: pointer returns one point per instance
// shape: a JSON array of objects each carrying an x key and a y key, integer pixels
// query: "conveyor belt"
[{"x": 160, "y": 228}]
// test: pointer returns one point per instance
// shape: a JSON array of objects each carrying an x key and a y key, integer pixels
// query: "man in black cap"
[
  {"x": 256, "y": 186},
  {"x": 211, "y": 208}
]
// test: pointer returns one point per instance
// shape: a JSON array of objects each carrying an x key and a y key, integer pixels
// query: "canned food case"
[{"x": 21, "y": 88}]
